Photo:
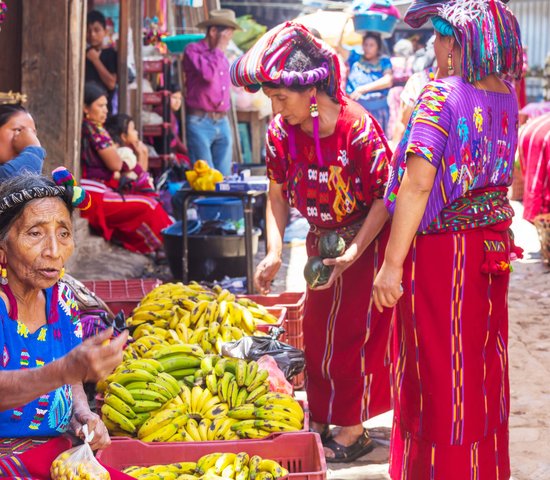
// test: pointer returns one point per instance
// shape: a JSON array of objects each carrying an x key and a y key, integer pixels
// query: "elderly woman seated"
[{"x": 44, "y": 361}]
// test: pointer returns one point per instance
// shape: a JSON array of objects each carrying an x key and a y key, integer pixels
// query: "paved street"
[{"x": 529, "y": 349}]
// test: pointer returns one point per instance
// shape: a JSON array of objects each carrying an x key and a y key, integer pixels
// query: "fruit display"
[
  {"x": 220, "y": 399},
  {"x": 174, "y": 313},
  {"x": 214, "y": 466},
  {"x": 133, "y": 391},
  {"x": 316, "y": 273}
]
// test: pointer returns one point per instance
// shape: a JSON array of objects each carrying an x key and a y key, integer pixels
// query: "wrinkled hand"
[
  {"x": 91, "y": 361},
  {"x": 23, "y": 138},
  {"x": 339, "y": 264},
  {"x": 265, "y": 273},
  {"x": 86, "y": 417},
  {"x": 387, "y": 287},
  {"x": 93, "y": 55}
]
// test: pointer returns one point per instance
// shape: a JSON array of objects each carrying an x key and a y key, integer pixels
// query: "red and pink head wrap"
[{"x": 265, "y": 62}]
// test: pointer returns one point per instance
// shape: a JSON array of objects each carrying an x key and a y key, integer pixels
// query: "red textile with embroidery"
[
  {"x": 534, "y": 151},
  {"x": 451, "y": 363}
]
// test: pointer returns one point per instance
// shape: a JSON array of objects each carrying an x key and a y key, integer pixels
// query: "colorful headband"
[
  {"x": 265, "y": 62},
  {"x": 487, "y": 31},
  {"x": 309, "y": 77},
  {"x": 64, "y": 180}
]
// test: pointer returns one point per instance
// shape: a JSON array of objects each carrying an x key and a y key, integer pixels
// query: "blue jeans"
[{"x": 210, "y": 140}]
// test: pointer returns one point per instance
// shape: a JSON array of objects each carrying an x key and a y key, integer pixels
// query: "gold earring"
[
  {"x": 3, "y": 275},
  {"x": 450, "y": 66},
  {"x": 61, "y": 273}
]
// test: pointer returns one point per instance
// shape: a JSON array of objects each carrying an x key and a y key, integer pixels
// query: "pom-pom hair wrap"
[
  {"x": 80, "y": 199},
  {"x": 265, "y": 62},
  {"x": 487, "y": 31}
]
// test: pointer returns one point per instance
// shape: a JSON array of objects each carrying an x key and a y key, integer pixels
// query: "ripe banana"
[
  {"x": 121, "y": 392},
  {"x": 225, "y": 460},
  {"x": 272, "y": 467},
  {"x": 116, "y": 417},
  {"x": 158, "y": 420},
  {"x": 119, "y": 405}
]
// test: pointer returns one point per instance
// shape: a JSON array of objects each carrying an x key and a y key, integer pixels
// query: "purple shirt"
[
  {"x": 469, "y": 135},
  {"x": 206, "y": 78}
]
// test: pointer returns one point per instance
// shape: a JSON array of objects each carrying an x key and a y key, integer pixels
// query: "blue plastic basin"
[{"x": 220, "y": 208}]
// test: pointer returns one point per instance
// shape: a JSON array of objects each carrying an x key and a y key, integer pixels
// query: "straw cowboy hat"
[{"x": 222, "y": 17}]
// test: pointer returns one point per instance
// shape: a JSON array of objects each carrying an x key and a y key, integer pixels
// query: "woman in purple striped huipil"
[{"x": 447, "y": 263}]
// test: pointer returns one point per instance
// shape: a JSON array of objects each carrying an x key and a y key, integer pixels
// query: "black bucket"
[{"x": 210, "y": 257}]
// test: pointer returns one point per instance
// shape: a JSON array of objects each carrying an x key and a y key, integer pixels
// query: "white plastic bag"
[{"x": 79, "y": 463}]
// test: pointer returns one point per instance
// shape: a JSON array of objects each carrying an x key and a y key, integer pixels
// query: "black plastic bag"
[{"x": 289, "y": 359}]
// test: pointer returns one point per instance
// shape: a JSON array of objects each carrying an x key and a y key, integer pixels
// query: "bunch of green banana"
[
  {"x": 133, "y": 391},
  {"x": 235, "y": 381},
  {"x": 214, "y": 466},
  {"x": 271, "y": 412}
]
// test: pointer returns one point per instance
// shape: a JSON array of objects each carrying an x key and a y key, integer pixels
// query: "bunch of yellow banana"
[
  {"x": 272, "y": 412},
  {"x": 175, "y": 313},
  {"x": 214, "y": 466},
  {"x": 133, "y": 391}
]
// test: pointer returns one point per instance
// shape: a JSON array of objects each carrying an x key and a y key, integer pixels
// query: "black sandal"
[
  {"x": 326, "y": 435},
  {"x": 362, "y": 446}
]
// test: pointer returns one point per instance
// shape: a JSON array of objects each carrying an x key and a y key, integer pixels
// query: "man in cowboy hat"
[{"x": 207, "y": 97}]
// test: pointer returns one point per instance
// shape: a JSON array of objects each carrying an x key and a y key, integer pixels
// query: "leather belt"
[{"x": 203, "y": 113}]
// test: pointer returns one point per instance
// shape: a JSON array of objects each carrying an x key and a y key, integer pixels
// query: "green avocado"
[
  {"x": 316, "y": 272},
  {"x": 331, "y": 245}
]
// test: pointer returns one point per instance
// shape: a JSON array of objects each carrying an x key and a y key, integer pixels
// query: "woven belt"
[
  {"x": 347, "y": 232},
  {"x": 203, "y": 113}
]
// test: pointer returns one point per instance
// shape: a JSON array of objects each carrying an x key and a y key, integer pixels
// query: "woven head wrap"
[
  {"x": 265, "y": 62},
  {"x": 487, "y": 31},
  {"x": 65, "y": 187}
]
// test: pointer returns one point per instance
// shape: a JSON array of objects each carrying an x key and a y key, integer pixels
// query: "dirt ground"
[{"x": 529, "y": 301}]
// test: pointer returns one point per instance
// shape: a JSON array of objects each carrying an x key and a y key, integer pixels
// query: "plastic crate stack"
[
  {"x": 294, "y": 303},
  {"x": 122, "y": 294},
  {"x": 161, "y": 97}
]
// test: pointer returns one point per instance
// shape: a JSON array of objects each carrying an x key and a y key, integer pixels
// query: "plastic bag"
[
  {"x": 289, "y": 359},
  {"x": 79, "y": 462},
  {"x": 277, "y": 381}
]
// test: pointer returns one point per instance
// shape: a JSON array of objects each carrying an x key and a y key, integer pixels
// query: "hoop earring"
[
  {"x": 3, "y": 275},
  {"x": 450, "y": 66},
  {"x": 313, "y": 107}
]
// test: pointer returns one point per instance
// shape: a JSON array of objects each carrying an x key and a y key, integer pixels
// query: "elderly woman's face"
[
  {"x": 10, "y": 130},
  {"x": 293, "y": 106},
  {"x": 38, "y": 244},
  {"x": 97, "y": 111}
]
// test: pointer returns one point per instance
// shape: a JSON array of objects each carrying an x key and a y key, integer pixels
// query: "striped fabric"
[
  {"x": 486, "y": 29},
  {"x": 451, "y": 389},
  {"x": 266, "y": 60}
]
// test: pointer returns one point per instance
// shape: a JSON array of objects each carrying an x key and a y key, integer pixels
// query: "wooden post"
[
  {"x": 137, "y": 27},
  {"x": 52, "y": 73},
  {"x": 10, "y": 39},
  {"x": 122, "y": 77}
]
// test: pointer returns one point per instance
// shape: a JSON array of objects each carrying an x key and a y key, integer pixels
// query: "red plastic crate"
[
  {"x": 292, "y": 301},
  {"x": 301, "y": 453},
  {"x": 294, "y": 304},
  {"x": 122, "y": 294},
  {"x": 279, "y": 312}
]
